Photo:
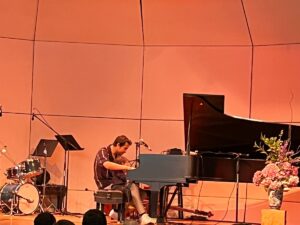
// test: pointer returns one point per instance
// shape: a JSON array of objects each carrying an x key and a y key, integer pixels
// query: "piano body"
[
  {"x": 215, "y": 139},
  {"x": 218, "y": 138},
  {"x": 158, "y": 171}
]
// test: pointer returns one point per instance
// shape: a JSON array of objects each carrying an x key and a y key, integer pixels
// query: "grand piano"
[
  {"x": 219, "y": 138},
  {"x": 215, "y": 142}
]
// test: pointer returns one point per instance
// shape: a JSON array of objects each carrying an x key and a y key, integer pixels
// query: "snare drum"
[
  {"x": 31, "y": 168},
  {"x": 24, "y": 197}
]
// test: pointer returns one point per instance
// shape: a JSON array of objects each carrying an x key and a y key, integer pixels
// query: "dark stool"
[{"x": 113, "y": 197}]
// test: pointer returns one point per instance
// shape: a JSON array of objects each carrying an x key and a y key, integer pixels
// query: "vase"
[{"x": 275, "y": 198}]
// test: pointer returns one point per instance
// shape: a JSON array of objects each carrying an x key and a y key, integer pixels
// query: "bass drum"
[{"x": 25, "y": 198}]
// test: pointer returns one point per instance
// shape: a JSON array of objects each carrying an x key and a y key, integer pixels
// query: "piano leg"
[
  {"x": 153, "y": 203},
  {"x": 163, "y": 200},
  {"x": 180, "y": 200}
]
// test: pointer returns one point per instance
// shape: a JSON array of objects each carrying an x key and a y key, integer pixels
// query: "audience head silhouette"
[
  {"x": 44, "y": 218},
  {"x": 94, "y": 217},
  {"x": 64, "y": 222}
]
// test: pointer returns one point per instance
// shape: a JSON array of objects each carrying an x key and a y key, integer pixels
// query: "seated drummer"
[{"x": 110, "y": 173}]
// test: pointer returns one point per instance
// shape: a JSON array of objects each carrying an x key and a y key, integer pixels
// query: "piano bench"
[{"x": 112, "y": 197}]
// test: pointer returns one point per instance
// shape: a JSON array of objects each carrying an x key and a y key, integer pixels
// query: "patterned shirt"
[{"x": 104, "y": 177}]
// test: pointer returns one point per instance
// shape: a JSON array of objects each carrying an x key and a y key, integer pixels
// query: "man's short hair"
[
  {"x": 122, "y": 140},
  {"x": 94, "y": 217},
  {"x": 44, "y": 218}
]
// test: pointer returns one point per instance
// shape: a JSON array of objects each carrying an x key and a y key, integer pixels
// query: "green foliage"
[{"x": 274, "y": 146}]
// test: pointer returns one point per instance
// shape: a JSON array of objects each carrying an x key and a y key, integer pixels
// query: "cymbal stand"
[
  {"x": 66, "y": 181},
  {"x": 11, "y": 207},
  {"x": 45, "y": 173},
  {"x": 44, "y": 179},
  {"x": 45, "y": 152}
]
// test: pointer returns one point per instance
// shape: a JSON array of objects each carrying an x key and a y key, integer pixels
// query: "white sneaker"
[
  {"x": 113, "y": 214},
  {"x": 146, "y": 219}
]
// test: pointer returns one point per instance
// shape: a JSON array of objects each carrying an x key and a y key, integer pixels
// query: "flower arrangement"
[{"x": 279, "y": 171}]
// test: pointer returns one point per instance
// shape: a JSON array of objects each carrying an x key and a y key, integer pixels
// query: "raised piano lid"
[{"x": 213, "y": 131}]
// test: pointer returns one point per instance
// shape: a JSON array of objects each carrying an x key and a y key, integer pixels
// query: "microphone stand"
[
  {"x": 137, "y": 153},
  {"x": 66, "y": 161},
  {"x": 27, "y": 199},
  {"x": 237, "y": 167},
  {"x": 45, "y": 173}
]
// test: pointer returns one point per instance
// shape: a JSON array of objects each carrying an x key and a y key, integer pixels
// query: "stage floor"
[{"x": 28, "y": 220}]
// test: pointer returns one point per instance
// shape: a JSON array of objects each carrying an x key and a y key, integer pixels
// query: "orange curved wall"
[{"x": 97, "y": 69}]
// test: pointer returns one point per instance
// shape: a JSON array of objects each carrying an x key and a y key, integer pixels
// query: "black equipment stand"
[
  {"x": 68, "y": 142},
  {"x": 237, "y": 170},
  {"x": 45, "y": 148},
  {"x": 137, "y": 154}
]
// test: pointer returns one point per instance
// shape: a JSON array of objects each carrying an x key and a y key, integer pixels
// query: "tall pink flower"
[
  {"x": 294, "y": 171},
  {"x": 270, "y": 170},
  {"x": 279, "y": 171}
]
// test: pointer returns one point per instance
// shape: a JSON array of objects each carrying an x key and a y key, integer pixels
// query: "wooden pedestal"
[{"x": 273, "y": 217}]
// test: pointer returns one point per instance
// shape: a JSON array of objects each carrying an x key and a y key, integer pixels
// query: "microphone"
[
  {"x": 26, "y": 199},
  {"x": 245, "y": 155},
  {"x": 32, "y": 117},
  {"x": 0, "y": 110},
  {"x": 29, "y": 201},
  {"x": 141, "y": 142}
]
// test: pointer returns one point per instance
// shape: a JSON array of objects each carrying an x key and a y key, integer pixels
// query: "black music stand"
[
  {"x": 45, "y": 148},
  {"x": 45, "y": 144},
  {"x": 69, "y": 143}
]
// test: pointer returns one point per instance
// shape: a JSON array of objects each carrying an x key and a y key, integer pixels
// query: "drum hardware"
[
  {"x": 47, "y": 204},
  {"x": 21, "y": 171},
  {"x": 44, "y": 178},
  {"x": 10, "y": 205},
  {"x": 27, "y": 199},
  {"x": 12, "y": 172},
  {"x": 45, "y": 148}
]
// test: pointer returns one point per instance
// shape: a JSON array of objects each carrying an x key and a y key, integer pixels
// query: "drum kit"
[{"x": 21, "y": 196}]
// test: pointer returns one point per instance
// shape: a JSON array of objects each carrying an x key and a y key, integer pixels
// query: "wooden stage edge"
[{"x": 28, "y": 220}]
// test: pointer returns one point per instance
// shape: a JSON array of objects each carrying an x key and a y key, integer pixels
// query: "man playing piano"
[{"x": 110, "y": 173}]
